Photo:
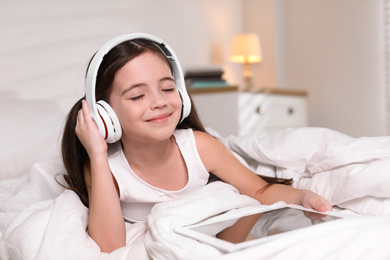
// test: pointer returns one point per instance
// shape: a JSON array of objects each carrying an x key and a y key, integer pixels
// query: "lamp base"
[{"x": 248, "y": 83}]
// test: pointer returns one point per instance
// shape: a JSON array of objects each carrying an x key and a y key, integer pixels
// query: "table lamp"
[{"x": 245, "y": 48}]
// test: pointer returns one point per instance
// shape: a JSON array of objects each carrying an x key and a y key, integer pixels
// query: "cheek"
[
  {"x": 129, "y": 122},
  {"x": 129, "y": 115},
  {"x": 178, "y": 108},
  {"x": 125, "y": 114},
  {"x": 176, "y": 101}
]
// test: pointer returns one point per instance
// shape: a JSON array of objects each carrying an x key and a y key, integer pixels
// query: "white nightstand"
[
  {"x": 217, "y": 108},
  {"x": 266, "y": 111},
  {"x": 260, "y": 111}
]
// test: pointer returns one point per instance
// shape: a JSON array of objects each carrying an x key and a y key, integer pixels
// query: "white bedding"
[
  {"x": 349, "y": 172},
  {"x": 41, "y": 220}
]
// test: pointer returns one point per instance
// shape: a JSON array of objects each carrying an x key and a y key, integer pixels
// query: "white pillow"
[{"x": 31, "y": 133}]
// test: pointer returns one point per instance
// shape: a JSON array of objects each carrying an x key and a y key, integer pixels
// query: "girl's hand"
[
  {"x": 88, "y": 133},
  {"x": 314, "y": 201}
]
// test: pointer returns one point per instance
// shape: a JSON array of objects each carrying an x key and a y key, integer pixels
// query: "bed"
[{"x": 39, "y": 219}]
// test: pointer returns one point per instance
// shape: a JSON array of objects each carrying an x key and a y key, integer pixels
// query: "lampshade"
[{"x": 245, "y": 48}]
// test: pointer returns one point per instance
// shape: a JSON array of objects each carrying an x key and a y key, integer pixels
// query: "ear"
[{"x": 113, "y": 130}]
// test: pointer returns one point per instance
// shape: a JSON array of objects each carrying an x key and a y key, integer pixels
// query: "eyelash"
[
  {"x": 141, "y": 96},
  {"x": 136, "y": 98}
]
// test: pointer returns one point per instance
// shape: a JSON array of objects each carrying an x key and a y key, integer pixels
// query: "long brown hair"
[{"x": 74, "y": 154}]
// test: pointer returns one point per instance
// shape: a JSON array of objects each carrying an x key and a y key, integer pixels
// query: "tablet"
[{"x": 245, "y": 227}]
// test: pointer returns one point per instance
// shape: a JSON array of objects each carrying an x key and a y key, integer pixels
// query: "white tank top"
[{"x": 137, "y": 196}]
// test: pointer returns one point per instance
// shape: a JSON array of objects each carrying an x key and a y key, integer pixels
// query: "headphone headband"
[{"x": 93, "y": 69}]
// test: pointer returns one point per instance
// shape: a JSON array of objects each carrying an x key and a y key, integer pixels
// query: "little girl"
[{"x": 160, "y": 156}]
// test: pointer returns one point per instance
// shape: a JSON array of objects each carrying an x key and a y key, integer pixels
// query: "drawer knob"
[
  {"x": 290, "y": 111},
  {"x": 260, "y": 110}
]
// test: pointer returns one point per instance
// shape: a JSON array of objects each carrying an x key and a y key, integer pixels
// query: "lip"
[{"x": 161, "y": 118}]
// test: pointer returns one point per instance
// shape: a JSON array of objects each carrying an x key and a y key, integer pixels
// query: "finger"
[
  {"x": 84, "y": 107},
  {"x": 87, "y": 117},
  {"x": 313, "y": 215},
  {"x": 86, "y": 112},
  {"x": 80, "y": 118},
  {"x": 323, "y": 205},
  {"x": 80, "y": 115}
]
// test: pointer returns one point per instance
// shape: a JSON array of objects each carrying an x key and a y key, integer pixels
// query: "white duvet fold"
[
  {"x": 51, "y": 229},
  {"x": 161, "y": 240},
  {"x": 361, "y": 150},
  {"x": 349, "y": 172},
  {"x": 42, "y": 220}
]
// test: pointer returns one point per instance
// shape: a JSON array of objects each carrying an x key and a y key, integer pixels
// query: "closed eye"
[
  {"x": 137, "y": 97},
  {"x": 169, "y": 89}
]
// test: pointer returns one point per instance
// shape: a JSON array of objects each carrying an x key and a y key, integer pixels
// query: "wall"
[
  {"x": 331, "y": 48},
  {"x": 46, "y": 45},
  {"x": 335, "y": 51},
  {"x": 260, "y": 18}
]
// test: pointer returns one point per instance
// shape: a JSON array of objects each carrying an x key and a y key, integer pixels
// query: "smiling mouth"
[{"x": 160, "y": 118}]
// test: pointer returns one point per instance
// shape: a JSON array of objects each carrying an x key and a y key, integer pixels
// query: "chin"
[{"x": 161, "y": 133}]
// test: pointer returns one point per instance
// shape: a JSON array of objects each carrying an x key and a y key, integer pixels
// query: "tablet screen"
[{"x": 264, "y": 224}]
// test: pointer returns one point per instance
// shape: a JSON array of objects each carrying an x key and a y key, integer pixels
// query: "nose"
[{"x": 158, "y": 101}]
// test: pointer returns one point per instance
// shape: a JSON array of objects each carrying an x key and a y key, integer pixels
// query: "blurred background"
[{"x": 333, "y": 49}]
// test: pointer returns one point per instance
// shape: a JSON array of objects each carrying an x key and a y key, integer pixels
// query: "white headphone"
[{"x": 101, "y": 112}]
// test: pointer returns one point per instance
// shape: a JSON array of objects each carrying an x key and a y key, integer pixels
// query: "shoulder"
[
  {"x": 210, "y": 149},
  {"x": 204, "y": 140},
  {"x": 220, "y": 161},
  {"x": 203, "y": 135}
]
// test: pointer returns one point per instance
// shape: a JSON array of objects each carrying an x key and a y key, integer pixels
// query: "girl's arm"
[
  {"x": 105, "y": 221},
  {"x": 219, "y": 160}
]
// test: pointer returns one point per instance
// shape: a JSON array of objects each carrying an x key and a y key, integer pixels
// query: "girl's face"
[{"x": 145, "y": 99}]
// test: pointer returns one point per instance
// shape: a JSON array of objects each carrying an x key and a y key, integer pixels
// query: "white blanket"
[
  {"x": 355, "y": 238},
  {"x": 350, "y": 173},
  {"x": 161, "y": 240},
  {"x": 41, "y": 220}
]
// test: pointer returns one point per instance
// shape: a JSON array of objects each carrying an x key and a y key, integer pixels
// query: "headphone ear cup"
[
  {"x": 110, "y": 120},
  {"x": 186, "y": 104}
]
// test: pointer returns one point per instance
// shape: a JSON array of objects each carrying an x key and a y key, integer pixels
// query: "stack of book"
[{"x": 207, "y": 77}]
